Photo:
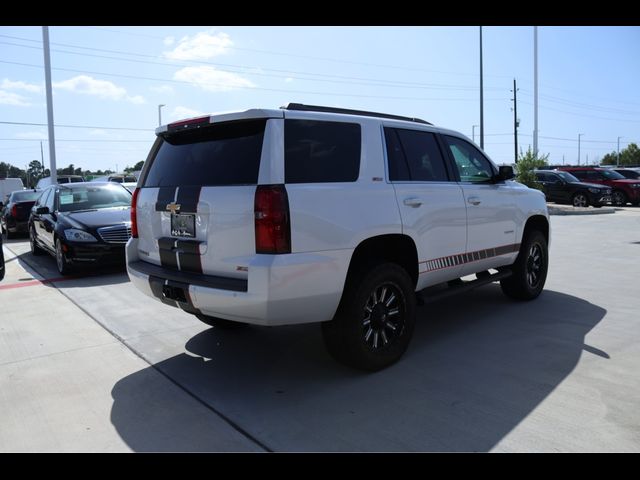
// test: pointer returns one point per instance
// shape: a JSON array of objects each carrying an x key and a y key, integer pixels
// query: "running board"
[{"x": 432, "y": 294}]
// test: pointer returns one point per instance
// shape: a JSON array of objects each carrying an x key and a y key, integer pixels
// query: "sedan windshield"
[
  {"x": 611, "y": 175},
  {"x": 92, "y": 198},
  {"x": 567, "y": 177}
]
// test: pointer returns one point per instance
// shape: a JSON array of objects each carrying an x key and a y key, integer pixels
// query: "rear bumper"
[{"x": 278, "y": 290}]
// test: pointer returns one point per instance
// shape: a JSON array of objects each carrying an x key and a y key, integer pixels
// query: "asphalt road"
[{"x": 91, "y": 364}]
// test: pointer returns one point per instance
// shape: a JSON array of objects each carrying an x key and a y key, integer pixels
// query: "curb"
[{"x": 556, "y": 210}]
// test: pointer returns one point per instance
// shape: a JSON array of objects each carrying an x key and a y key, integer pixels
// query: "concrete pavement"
[{"x": 91, "y": 364}]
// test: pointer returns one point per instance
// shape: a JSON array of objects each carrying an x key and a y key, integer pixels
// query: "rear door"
[
  {"x": 195, "y": 208},
  {"x": 431, "y": 203}
]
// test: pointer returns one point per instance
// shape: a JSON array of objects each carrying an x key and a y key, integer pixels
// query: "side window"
[
  {"x": 319, "y": 152},
  {"x": 586, "y": 175},
  {"x": 551, "y": 178},
  {"x": 42, "y": 200},
  {"x": 414, "y": 156},
  {"x": 49, "y": 202},
  {"x": 472, "y": 165}
]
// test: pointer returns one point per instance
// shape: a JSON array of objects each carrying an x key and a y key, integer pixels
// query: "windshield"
[
  {"x": 92, "y": 198},
  {"x": 29, "y": 196},
  {"x": 611, "y": 175},
  {"x": 567, "y": 177}
]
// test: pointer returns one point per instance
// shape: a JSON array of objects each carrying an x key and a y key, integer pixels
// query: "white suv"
[{"x": 317, "y": 214}]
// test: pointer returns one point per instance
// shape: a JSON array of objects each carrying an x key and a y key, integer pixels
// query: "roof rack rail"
[{"x": 318, "y": 108}]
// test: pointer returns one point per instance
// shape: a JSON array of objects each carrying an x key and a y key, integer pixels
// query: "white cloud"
[
  {"x": 212, "y": 80},
  {"x": 86, "y": 85},
  {"x": 163, "y": 89},
  {"x": 10, "y": 98},
  {"x": 201, "y": 46},
  {"x": 288, "y": 80},
  {"x": 33, "y": 135},
  {"x": 20, "y": 85},
  {"x": 181, "y": 112},
  {"x": 170, "y": 40}
]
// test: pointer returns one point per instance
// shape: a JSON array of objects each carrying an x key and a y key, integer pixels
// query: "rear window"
[
  {"x": 223, "y": 154},
  {"x": 30, "y": 196},
  {"x": 321, "y": 151}
]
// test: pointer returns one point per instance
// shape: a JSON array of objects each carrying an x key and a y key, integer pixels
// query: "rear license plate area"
[{"x": 183, "y": 225}]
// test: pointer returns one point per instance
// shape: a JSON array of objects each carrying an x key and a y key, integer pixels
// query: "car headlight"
[
  {"x": 594, "y": 190},
  {"x": 75, "y": 235}
]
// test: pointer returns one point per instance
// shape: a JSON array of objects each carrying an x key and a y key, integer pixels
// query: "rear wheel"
[
  {"x": 374, "y": 322},
  {"x": 61, "y": 259},
  {"x": 220, "y": 323},
  {"x": 580, "y": 200},
  {"x": 529, "y": 269}
]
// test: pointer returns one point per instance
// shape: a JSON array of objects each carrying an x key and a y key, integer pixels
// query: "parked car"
[
  {"x": 131, "y": 186},
  {"x": 14, "y": 216},
  {"x": 116, "y": 178},
  {"x": 632, "y": 173},
  {"x": 1, "y": 260},
  {"x": 623, "y": 190},
  {"x": 81, "y": 224},
  {"x": 61, "y": 179},
  {"x": 8, "y": 185},
  {"x": 562, "y": 187},
  {"x": 319, "y": 214}
]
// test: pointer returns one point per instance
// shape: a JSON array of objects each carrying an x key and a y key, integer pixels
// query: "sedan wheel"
[
  {"x": 580, "y": 200},
  {"x": 35, "y": 249},
  {"x": 619, "y": 198},
  {"x": 61, "y": 260}
]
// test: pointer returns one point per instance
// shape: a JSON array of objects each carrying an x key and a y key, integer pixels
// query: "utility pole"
[
  {"x": 579, "y": 135},
  {"x": 618, "y": 157},
  {"x": 535, "y": 92},
  {"x": 47, "y": 77},
  {"x": 515, "y": 120},
  {"x": 481, "y": 97}
]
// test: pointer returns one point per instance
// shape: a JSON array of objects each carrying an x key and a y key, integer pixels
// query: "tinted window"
[
  {"x": 90, "y": 198},
  {"x": 414, "y": 156},
  {"x": 587, "y": 174},
  {"x": 567, "y": 177},
  {"x": 321, "y": 151},
  {"x": 223, "y": 154},
  {"x": 30, "y": 196},
  {"x": 472, "y": 165},
  {"x": 50, "y": 200},
  {"x": 611, "y": 175}
]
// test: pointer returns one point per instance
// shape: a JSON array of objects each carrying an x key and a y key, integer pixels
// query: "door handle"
[
  {"x": 412, "y": 202},
  {"x": 474, "y": 200}
]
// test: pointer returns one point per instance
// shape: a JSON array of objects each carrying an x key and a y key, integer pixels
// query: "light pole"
[
  {"x": 579, "y": 135},
  {"x": 160, "y": 113},
  {"x": 473, "y": 132},
  {"x": 618, "y": 157}
]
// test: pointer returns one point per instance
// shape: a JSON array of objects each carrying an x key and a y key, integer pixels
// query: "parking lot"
[{"x": 91, "y": 364}]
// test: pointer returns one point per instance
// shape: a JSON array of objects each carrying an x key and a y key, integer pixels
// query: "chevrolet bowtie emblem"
[{"x": 173, "y": 207}]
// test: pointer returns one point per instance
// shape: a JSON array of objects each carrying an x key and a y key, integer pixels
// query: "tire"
[
  {"x": 374, "y": 322},
  {"x": 221, "y": 323},
  {"x": 35, "y": 249},
  {"x": 530, "y": 268},
  {"x": 61, "y": 260},
  {"x": 580, "y": 199},
  {"x": 618, "y": 197}
]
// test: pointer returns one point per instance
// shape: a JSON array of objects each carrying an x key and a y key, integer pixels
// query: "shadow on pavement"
[{"x": 478, "y": 365}]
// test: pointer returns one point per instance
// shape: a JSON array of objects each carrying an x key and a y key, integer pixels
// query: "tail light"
[
  {"x": 272, "y": 222},
  {"x": 14, "y": 211},
  {"x": 134, "y": 221}
]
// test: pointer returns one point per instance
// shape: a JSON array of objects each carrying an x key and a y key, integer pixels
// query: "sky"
[{"x": 109, "y": 81}]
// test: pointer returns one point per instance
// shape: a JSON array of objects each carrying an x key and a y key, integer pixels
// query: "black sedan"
[
  {"x": 15, "y": 214},
  {"x": 81, "y": 224},
  {"x": 562, "y": 187}
]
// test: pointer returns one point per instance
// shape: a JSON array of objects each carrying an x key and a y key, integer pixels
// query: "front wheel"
[
  {"x": 619, "y": 198},
  {"x": 580, "y": 200},
  {"x": 374, "y": 322},
  {"x": 61, "y": 259},
  {"x": 529, "y": 269}
]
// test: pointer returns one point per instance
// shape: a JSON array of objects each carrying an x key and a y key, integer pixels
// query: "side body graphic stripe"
[{"x": 458, "y": 259}]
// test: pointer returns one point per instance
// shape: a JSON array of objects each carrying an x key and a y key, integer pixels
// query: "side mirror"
[
  {"x": 42, "y": 210},
  {"x": 505, "y": 172}
]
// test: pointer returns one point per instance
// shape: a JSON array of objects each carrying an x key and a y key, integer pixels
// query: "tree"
[
  {"x": 137, "y": 167},
  {"x": 527, "y": 163},
  {"x": 628, "y": 156},
  {"x": 36, "y": 171}
]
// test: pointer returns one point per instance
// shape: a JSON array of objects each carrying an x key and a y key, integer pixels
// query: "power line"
[
  {"x": 78, "y": 126},
  {"x": 72, "y": 140},
  {"x": 584, "y": 114},
  {"x": 276, "y": 90}
]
